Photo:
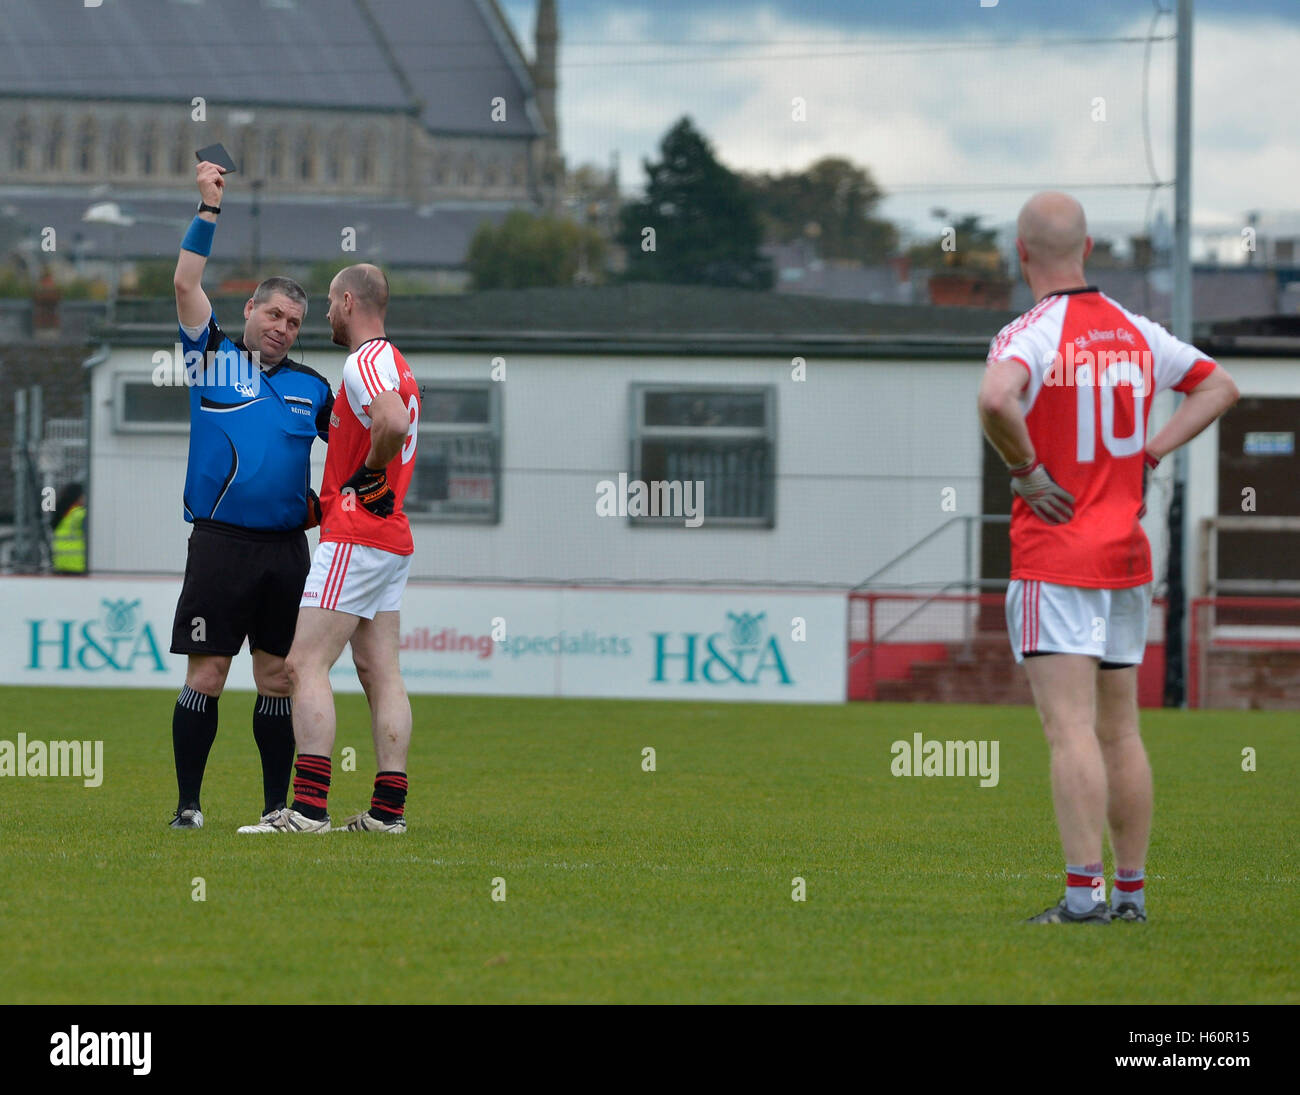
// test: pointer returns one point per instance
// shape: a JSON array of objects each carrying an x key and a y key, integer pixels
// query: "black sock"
[
  {"x": 273, "y": 732},
  {"x": 388, "y": 802},
  {"x": 194, "y": 729}
]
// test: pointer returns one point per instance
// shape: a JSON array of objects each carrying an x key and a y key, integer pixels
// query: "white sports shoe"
[
  {"x": 187, "y": 819},
  {"x": 287, "y": 820},
  {"x": 266, "y": 819},
  {"x": 366, "y": 823}
]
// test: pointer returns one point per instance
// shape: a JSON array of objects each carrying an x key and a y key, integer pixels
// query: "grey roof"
[
  {"x": 457, "y": 62},
  {"x": 444, "y": 61},
  {"x": 799, "y": 273},
  {"x": 303, "y": 231},
  {"x": 679, "y": 321},
  {"x": 308, "y": 52},
  {"x": 651, "y": 309},
  {"x": 676, "y": 320},
  {"x": 1218, "y": 292}
]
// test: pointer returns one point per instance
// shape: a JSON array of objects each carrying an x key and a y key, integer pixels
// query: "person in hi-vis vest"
[{"x": 69, "y": 547}]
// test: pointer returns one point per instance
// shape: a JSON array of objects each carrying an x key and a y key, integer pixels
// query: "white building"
[
  {"x": 826, "y": 451},
  {"x": 831, "y": 438}
]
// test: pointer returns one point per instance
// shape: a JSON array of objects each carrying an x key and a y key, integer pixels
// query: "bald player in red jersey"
[
  {"x": 1065, "y": 399},
  {"x": 354, "y": 591}
]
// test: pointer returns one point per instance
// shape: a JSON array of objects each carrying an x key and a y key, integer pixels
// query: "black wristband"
[{"x": 204, "y": 207}]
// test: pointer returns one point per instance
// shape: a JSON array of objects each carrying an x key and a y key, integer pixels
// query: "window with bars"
[
  {"x": 722, "y": 437},
  {"x": 458, "y": 454}
]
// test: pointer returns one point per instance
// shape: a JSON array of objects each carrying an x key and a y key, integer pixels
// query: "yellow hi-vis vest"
[{"x": 70, "y": 542}]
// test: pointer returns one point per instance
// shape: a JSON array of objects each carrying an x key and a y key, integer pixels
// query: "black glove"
[
  {"x": 371, "y": 490},
  {"x": 313, "y": 510}
]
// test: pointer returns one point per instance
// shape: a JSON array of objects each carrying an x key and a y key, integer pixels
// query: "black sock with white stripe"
[
  {"x": 273, "y": 732},
  {"x": 194, "y": 729}
]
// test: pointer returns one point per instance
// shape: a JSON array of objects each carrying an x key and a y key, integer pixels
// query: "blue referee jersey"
[{"x": 251, "y": 431}]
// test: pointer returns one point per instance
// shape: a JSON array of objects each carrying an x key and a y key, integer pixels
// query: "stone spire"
[{"x": 546, "y": 39}]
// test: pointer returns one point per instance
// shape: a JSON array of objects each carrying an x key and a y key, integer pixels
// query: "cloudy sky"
[{"x": 951, "y": 105}]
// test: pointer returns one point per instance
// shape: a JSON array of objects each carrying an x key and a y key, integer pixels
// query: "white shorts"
[
  {"x": 1110, "y": 624},
  {"x": 355, "y": 578}
]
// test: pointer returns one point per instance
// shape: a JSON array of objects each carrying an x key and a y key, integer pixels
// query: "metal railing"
[
  {"x": 968, "y": 583},
  {"x": 1213, "y": 585}
]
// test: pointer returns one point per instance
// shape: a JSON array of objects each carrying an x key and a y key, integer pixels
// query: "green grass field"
[{"x": 623, "y": 885}]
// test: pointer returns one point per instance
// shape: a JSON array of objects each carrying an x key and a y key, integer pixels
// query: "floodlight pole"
[{"x": 1175, "y": 631}]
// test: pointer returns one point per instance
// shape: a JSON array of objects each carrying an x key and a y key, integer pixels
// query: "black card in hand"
[{"x": 217, "y": 154}]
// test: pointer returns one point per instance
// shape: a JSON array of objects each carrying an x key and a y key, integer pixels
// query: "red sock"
[
  {"x": 388, "y": 802},
  {"x": 311, "y": 785},
  {"x": 1130, "y": 888}
]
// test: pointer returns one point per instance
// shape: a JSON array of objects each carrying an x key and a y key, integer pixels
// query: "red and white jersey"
[
  {"x": 1094, "y": 368},
  {"x": 373, "y": 367}
]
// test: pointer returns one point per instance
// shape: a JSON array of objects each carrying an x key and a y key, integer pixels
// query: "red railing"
[{"x": 891, "y": 631}]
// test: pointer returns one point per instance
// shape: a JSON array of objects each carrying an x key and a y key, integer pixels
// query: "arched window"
[
  {"x": 334, "y": 154},
  {"x": 305, "y": 155},
  {"x": 180, "y": 156},
  {"x": 250, "y": 142},
  {"x": 21, "y": 154},
  {"x": 148, "y": 156},
  {"x": 517, "y": 172},
  {"x": 117, "y": 148},
  {"x": 54, "y": 139},
  {"x": 275, "y": 154},
  {"x": 87, "y": 146},
  {"x": 367, "y": 169},
  {"x": 469, "y": 172}
]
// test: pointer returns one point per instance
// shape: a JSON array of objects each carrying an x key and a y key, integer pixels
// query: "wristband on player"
[
  {"x": 1151, "y": 461},
  {"x": 198, "y": 238},
  {"x": 1019, "y": 471}
]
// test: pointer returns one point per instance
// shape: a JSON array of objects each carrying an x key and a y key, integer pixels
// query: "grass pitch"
[{"x": 629, "y": 886}]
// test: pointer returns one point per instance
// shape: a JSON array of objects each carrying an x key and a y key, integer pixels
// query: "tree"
[
  {"x": 153, "y": 278},
  {"x": 705, "y": 228},
  {"x": 962, "y": 244},
  {"x": 320, "y": 274},
  {"x": 831, "y": 201},
  {"x": 525, "y": 251}
]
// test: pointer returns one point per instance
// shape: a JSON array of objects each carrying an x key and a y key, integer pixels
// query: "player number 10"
[{"x": 1125, "y": 373}]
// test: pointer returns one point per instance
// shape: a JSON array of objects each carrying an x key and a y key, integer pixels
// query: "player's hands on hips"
[
  {"x": 211, "y": 184},
  {"x": 313, "y": 510},
  {"x": 372, "y": 490},
  {"x": 1043, "y": 494}
]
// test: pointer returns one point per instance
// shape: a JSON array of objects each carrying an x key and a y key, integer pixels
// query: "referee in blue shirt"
[{"x": 253, "y": 417}]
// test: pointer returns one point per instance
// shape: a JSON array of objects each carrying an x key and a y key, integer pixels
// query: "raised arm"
[{"x": 192, "y": 305}]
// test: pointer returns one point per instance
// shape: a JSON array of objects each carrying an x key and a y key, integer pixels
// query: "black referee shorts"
[{"x": 240, "y": 583}]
